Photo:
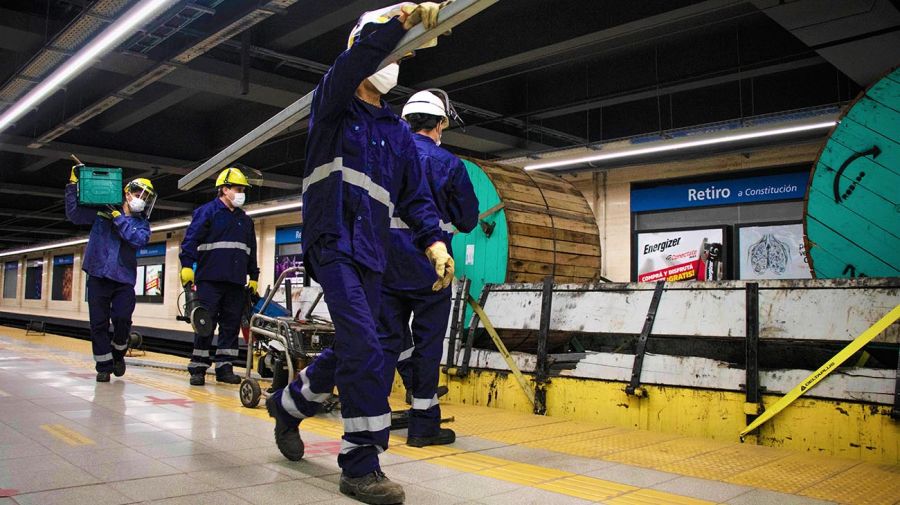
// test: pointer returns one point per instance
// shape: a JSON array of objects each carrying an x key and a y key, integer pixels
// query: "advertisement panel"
[
  {"x": 673, "y": 255},
  {"x": 772, "y": 251}
]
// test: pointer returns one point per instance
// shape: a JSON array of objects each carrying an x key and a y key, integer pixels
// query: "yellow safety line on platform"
[
  {"x": 447, "y": 456},
  {"x": 823, "y": 371},
  {"x": 66, "y": 434},
  {"x": 758, "y": 466}
]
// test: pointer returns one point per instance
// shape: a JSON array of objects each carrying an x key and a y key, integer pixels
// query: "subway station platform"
[{"x": 149, "y": 437}]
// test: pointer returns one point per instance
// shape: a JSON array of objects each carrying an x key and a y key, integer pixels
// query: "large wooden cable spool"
[
  {"x": 852, "y": 215},
  {"x": 532, "y": 225}
]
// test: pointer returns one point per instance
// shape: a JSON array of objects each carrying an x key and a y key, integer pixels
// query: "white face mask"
[
  {"x": 385, "y": 79},
  {"x": 136, "y": 205},
  {"x": 238, "y": 200}
]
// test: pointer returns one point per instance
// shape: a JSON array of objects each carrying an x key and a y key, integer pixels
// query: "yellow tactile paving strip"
[
  {"x": 821, "y": 477},
  {"x": 66, "y": 434}
]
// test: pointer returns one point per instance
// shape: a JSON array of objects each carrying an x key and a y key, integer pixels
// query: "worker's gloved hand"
[
  {"x": 443, "y": 265},
  {"x": 253, "y": 286},
  {"x": 425, "y": 13},
  {"x": 73, "y": 179},
  {"x": 187, "y": 275},
  {"x": 113, "y": 212}
]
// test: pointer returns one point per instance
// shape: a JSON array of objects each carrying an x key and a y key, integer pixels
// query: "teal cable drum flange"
[
  {"x": 481, "y": 257},
  {"x": 852, "y": 216}
]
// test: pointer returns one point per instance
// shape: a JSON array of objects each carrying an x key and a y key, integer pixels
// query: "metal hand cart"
[{"x": 277, "y": 340}]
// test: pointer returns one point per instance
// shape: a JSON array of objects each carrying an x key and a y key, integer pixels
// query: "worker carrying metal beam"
[
  {"x": 221, "y": 241},
  {"x": 361, "y": 166},
  {"x": 410, "y": 287},
  {"x": 110, "y": 260}
]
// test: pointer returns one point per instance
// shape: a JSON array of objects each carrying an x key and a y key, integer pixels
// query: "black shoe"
[
  {"x": 373, "y": 488},
  {"x": 102, "y": 376},
  {"x": 287, "y": 437},
  {"x": 119, "y": 367},
  {"x": 198, "y": 378},
  {"x": 444, "y": 436},
  {"x": 227, "y": 375},
  {"x": 441, "y": 391}
]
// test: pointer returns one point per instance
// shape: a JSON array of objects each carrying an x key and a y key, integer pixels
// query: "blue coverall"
[
  {"x": 222, "y": 243},
  {"x": 361, "y": 165},
  {"x": 110, "y": 260},
  {"x": 407, "y": 289}
]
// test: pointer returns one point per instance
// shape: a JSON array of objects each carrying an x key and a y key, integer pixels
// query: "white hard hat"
[{"x": 424, "y": 102}]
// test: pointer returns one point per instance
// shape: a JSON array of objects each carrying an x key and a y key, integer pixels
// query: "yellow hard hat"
[
  {"x": 232, "y": 177},
  {"x": 139, "y": 184}
]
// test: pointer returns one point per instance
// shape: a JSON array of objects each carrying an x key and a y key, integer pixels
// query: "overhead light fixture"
[
  {"x": 685, "y": 143},
  {"x": 118, "y": 31},
  {"x": 46, "y": 247},
  {"x": 276, "y": 208}
]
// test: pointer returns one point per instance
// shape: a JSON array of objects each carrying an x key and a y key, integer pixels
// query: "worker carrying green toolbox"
[{"x": 118, "y": 229}]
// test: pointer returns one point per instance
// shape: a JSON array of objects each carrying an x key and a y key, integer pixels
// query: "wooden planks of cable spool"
[{"x": 551, "y": 228}]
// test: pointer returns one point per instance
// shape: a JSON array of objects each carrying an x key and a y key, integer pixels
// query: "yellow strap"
[
  {"x": 825, "y": 369},
  {"x": 526, "y": 387}
]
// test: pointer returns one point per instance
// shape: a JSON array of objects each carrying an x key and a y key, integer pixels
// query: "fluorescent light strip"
[
  {"x": 163, "y": 227},
  {"x": 266, "y": 210},
  {"x": 111, "y": 37},
  {"x": 684, "y": 145}
]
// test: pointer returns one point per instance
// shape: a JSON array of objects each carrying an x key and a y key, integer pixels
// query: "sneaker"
[
  {"x": 119, "y": 367},
  {"x": 444, "y": 436},
  {"x": 198, "y": 378},
  {"x": 227, "y": 375},
  {"x": 373, "y": 488},
  {"x": 102, "y": 376},
  {"x": 287, "y": 436}
]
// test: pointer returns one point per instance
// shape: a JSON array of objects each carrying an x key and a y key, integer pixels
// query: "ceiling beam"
[
  {"x": 32, "y": 229},
  {"x": 24, "y": 214},
  {"x": 633, "y": 96},
  {"x": 132, "y": 114},
  {"x": 639, "y": 31},
  {"x": 39, "y": 164},
  {"x": 321, "y": 25}
]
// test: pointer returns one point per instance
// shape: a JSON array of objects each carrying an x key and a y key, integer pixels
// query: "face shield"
[
  {"x": 448, "y": 107},
  {"x": 141, "y": 191}
]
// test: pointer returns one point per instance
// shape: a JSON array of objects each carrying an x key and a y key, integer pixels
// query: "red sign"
[{"x": 683, "y": 272}]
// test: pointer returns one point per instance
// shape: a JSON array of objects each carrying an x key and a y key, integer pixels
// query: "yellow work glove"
[
  {"x": 73, "y": 179},
  {"x": 443, "y": 265},
  {"x": 187, "y": 275},
  {"x": 253, "y": 286},
  {"x": 425, "y": 13},
  {"x": 115, "y": 214}
]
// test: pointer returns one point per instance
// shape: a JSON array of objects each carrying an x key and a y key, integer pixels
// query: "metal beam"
[
  {"x": 31, "y": 229},
  {"x": 24, "y": 214},
  {"x": 323, "y": 24},
  {"x": 634, "y": 96},
  {"x": 39, "y": 164},
  {"x": 114, "y": 123},
  {"x": 639, "y": 31},
  {"x": 450, "y": 16}
]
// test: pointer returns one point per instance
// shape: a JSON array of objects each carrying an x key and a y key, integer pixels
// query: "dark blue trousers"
[
  {"x": 431, "y": 313},
  {"x": 354, "y": 364},
  {"x": 225, "y": 302},
  {"x": 109, "y": 300}
]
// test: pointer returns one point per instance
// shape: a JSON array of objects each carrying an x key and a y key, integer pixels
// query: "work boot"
[
  {"x": 444, "y": 436},
  {"x": 119, "y": 367},
  {"x": 226, "y": 374},
  {"x": 373, "y": 488},
  {"x": 198, "y": 378},
  {"x": 102, "y": 376},
  {"x": 287, "y": 435}
]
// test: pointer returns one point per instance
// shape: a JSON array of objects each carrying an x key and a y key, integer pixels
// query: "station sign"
[
  {"x": 790, "y": 186},
  {"x": 288, "y": 235}
]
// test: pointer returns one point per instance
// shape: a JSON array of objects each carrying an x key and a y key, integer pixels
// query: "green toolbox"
[{"x": 99, "y": 186}]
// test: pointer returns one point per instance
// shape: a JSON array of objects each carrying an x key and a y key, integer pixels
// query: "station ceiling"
[{"x": 528, "y": 76}]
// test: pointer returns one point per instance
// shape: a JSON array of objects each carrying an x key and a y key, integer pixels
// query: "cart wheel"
[{"x": 250, "y": 393}]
